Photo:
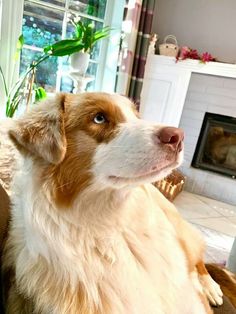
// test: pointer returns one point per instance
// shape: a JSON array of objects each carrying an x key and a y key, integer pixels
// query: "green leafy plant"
[
  {"x": 63, "y": 47},
  {"x": 40, "y": 93},
  {"x": 84, "y": 38},
  {"x": 86, "y": 33},
  {"x": 15, "y": 93}
]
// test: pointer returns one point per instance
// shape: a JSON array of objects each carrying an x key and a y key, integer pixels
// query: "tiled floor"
[{"x": 216, "y": 221}]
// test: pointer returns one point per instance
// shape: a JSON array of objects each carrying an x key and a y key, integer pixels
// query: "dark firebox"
[{"x": 216, "y": 146}]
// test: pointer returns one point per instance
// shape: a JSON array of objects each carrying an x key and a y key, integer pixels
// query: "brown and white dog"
[{"x": 89, "y": 233}]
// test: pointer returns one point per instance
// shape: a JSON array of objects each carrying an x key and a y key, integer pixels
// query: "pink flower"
[
  {"x": 206, "y": 57},
  {"x": 184, "y": 52},
  {"x": 193, "y": 54},
  {"x": 188, "y": 53}
]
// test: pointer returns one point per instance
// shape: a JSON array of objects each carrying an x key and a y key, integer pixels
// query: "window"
[{"x": 47, "y": 21}]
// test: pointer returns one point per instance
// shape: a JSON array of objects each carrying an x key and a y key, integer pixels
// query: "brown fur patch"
[
  {"x": 41, "y": 133},
  {"x": 190, "y": 260},
  {"x": 83, "y": 135},
  {"x": 73, "y": 175},
  {"x": 201, "y": 268},
  {"x": 67, "y": 139},
  {"x": 81, "y": 111},
  {"x": 225, "y": 279}
]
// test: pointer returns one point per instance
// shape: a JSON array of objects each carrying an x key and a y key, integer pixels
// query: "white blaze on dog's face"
[
  {"x": 79, "y": 140},
  {"x": 136, "y": 154}
]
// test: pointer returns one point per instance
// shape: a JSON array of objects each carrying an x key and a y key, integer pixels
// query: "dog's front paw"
[{"x": 212, "y": 290}]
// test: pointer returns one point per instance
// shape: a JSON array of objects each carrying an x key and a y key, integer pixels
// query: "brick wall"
[{"x": 207, "y": 94}]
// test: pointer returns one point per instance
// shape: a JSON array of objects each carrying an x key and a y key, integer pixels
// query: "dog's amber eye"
[{"x": 99, "y": 118}]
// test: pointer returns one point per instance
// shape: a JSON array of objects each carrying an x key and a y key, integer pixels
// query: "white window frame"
[
  {"x": 106, "y": 74},
  {"x": 11, "y": 28}
]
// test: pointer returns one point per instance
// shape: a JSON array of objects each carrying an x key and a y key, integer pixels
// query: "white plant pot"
[{"x": 79, "y": 62}]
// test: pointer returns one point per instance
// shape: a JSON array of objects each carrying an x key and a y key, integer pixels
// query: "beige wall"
[{"x": 207, "y": 25}]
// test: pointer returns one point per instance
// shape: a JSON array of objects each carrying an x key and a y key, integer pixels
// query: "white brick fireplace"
[
  {"x": 213, "y": 94},
  {"x": 180, "y": 95}
]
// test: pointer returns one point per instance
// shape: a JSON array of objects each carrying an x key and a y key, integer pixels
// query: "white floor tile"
[
  {"x": 215, "y": 220},
  {"x": 192, "y": 207},
  {"x": 232, "y": 219},
  {"x": 220, "y": 224},
  {"x": 216, "y": 239},
  {"x": 215, "y": 255},
  {"x": 224, "y": 209}
]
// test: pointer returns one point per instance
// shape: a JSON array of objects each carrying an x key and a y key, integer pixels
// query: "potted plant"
[
  {"x": 88, "y": 36},
  {"x": 84, "y": 38}
]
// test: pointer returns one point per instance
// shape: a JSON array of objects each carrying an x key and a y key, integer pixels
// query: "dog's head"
[{"x": 95, "y": 139}]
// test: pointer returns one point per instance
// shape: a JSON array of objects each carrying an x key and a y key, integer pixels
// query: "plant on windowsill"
[
  {"x": 79, "y": 47},
  {"x": 87, "y": 34},
  {"x": 83, "y": 40}
]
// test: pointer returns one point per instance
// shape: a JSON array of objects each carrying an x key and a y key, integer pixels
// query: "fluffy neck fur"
[{"x": 111, "y": 252}]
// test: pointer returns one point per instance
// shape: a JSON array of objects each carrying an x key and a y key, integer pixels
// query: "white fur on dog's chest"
[{"x": 130, "y": 253}]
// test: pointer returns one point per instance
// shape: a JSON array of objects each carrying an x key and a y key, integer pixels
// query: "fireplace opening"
[{"x": 216, "y": 146}]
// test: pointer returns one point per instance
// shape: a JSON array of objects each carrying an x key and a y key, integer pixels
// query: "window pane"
[
  {"x": 46, "y": 73},
  {"x": 60, "y": 3},
  {"x": 91, "y": 7},
  {"x": 92, "y": 70},
  {"x": 41, "y": 26},
  {"x": 94, "y": 55},
  {"x": 67, "y": 84}
]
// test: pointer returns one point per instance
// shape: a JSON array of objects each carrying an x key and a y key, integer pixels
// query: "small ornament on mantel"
[{"x": 152, "y": 44}]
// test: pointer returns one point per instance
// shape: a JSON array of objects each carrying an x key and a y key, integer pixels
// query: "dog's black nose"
[{"x": 172, "y": 136}]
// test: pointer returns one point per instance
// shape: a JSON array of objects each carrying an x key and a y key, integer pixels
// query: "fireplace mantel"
[{"x": 166, "y": 83}]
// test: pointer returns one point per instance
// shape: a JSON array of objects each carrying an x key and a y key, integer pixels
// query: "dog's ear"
[{"x": 41, "y": 131}]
